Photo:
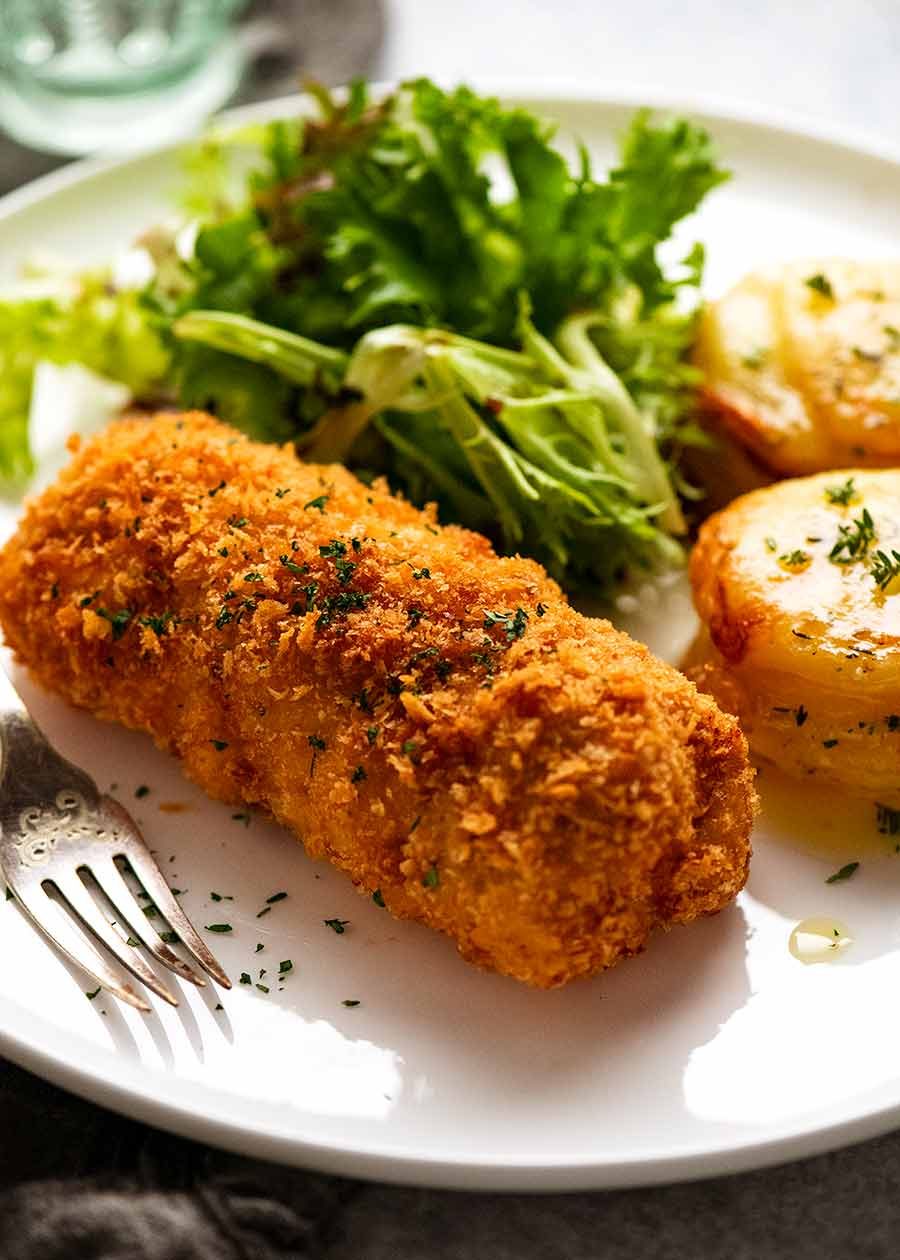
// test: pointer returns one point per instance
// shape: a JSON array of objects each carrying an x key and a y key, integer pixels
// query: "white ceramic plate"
[{"x": 715, "y": 1051}]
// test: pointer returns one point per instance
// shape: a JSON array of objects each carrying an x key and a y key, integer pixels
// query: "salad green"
[{"x": 421, "y": 286}]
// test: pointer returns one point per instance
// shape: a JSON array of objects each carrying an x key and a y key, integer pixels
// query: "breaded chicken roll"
[{"x": 433, "y": 719}]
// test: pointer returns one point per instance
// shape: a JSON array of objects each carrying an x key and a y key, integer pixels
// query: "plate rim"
[
  {"x": 628, "y": 93},
  {"x": 164, "y": 1100},
  {"x": 101, "y": 1076}
]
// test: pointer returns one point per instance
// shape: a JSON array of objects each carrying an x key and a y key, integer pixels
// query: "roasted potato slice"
[
  {"x": 802, "y": 366},
  {"x": 797, "y": 587}
]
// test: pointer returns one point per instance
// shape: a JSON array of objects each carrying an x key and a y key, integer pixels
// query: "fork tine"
[
  {"x": 58, "y": 928},
  {"x": 153, "y": 880},
  {"x": 85, "y": 907},
  {"x": 109, "y": 878}
]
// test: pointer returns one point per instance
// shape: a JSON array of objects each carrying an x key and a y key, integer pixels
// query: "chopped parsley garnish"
[
  {"x": 853, "y": 540},
  {"x": 795, "y": 559},
  {"x": 253, "y": 577},
  {"x": 512, "y": 624},
  {"x": 337, "y": 925},
  {"x": 820, "y": 284},
  {"x": 245, "y": 978},
  {"x": 415, "y": 615},
  {"x": 159, "y": 625},
  {"x": 431, "y": 878},
  {"x": 216, "y": 896},
  {"x": 541, "y": 609},
  {"x": 844, "y": 873},
  {"x": 279, "y": 494},
  {"x": 90, "y": 996},
  {"x": 223, "y": 618},
  {"x": 343, "y": 602},
  {"x": 885, "y": 568},
  {"x": 263, "y": 988},
  {"x": 755, "y": 359},
  {"x": 215, "y": 490},
  {"x": 265, "y": 910},
  {"x": 350, "y": 1002},
  {"x": 259, "y": 947},
  {"x": 865, "y": 356},
  {"x": 372, "y": 734},
  {"x": 219, "y": 927},
  {"x": 888, "y": 819},
  {"x": 292, "y": 567},
  {"x": 421, "y": 574},
  {"x": 169, "y": 938},
  {"x": 238, "y": 522},
  {"x": 333, "y": 550},
  {"x": 318, "y": 502},
  {"x": 801, "y": 714},
  {"x": 892, "y": 721},
  {"x": 219, "y": 744},
  {"x": 242, "y": 817},
  {"x": 310, "y": 591},
  {"x": 378, "y": 898},
  {"x": 829, "y": 743},
  {"x": 841, "y": 495},
  {"x": 362, "y": 700},
  {"x": 142, "y": 791},
  {"x": 118, "y": 620},
  {"x": 317, "y": 742},
  {"x": 285, "y": 966},
  {"x": 358, "y": 775},
  {"x": 279, "y": 896},
  {"x": 223, "y": 551}
]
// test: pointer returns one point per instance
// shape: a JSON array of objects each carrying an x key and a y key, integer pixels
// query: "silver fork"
[{"x": 54, "y": 825}]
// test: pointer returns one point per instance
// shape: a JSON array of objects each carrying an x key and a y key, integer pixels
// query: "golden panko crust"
[{"x": 435, "y": 720}]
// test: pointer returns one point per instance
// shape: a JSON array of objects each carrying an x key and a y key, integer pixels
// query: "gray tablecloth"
[{"x": 78, "y": 1182}]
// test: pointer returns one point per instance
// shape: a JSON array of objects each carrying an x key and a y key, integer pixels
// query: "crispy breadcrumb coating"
[{"x": 431, "y": 718}]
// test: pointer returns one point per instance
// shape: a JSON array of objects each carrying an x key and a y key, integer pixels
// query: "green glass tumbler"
[{"x": 80, "y": 76}]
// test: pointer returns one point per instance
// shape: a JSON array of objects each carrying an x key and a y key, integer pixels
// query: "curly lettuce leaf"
[{"x": 91, "y": 324}]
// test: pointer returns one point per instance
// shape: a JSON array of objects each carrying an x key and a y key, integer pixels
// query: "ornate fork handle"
[{"x": 32, "y": 774}]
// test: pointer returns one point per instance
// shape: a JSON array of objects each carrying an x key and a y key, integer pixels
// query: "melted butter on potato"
[
  {"x": 801, "y": 639},
  {"x": 802, "y": 365}
]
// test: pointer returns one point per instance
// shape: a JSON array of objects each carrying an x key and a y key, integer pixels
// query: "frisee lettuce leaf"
[{"x": 420, "y": 285}]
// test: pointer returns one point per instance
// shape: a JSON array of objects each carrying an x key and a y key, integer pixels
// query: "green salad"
[{"x": 422, "y": 286}]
